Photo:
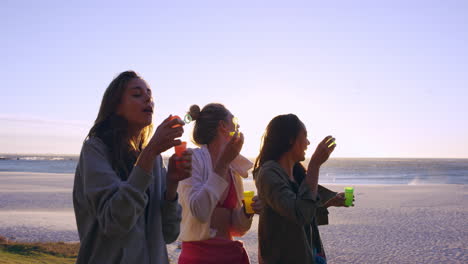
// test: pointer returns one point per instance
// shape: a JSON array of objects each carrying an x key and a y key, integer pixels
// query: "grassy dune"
[{"x": 19, "y": 253}]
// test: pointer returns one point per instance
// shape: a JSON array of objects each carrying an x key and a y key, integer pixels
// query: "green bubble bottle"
[{"x": 349, "y": 195}]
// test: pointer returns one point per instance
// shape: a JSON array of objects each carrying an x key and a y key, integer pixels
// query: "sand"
[{"x": 389, "y": 224}]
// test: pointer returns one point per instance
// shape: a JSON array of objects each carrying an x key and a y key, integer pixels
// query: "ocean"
[{"x": 335, "y": 171}]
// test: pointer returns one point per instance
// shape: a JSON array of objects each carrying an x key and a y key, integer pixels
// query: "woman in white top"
[{"x": 212, "y": 208}]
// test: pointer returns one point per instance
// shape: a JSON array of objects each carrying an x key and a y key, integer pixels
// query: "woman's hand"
[
  {"x": 165, "y": 136},
  {"x": 163, "y": 139},
  {"x": 180, "y": 168},
  {"x": 323, "y": 151},
  {"x": 338, "y": 201},
  {"x": 257, "y": 204},
  {"x": 230, "y": 152}
]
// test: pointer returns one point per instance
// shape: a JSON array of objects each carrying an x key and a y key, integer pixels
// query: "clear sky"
[{"x": 386, "y": 78}]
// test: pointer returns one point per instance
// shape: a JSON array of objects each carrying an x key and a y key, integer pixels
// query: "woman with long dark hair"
[
  {"x": 293, "y": 200},
  {"x": 125, "y": 201}
]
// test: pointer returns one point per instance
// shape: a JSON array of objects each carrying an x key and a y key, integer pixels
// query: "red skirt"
[{"x": 213, "y": 251}]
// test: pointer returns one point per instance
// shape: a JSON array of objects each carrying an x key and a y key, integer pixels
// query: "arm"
[
  {"x": 171, "y": 218},
  {"x": 116, "y": 204},
  {"x": 202, "y": 195},
  {"x": 325, "y": 194},
  {"x": 275, "y": 192},
  {"x": 240, "y": 220},
  {"x": 171, "y": 211},
  {"x": 322, "y": 212},
  {"x": 241, "y": 223}
]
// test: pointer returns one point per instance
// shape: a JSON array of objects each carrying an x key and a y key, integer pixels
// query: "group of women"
[{"x": 129, "y": 205}]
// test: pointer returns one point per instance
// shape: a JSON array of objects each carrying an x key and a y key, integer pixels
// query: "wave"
[
  {"x": 412, "y": 172},
  {"x": 39, "y": 158}
]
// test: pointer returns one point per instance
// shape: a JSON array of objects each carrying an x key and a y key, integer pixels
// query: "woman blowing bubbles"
[
  {"x": 126, "y": 203},
  {"x": 294, "y": 203},
  {"x": 212, "y": 198}
]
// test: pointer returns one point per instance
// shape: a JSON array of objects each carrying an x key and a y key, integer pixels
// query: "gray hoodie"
[{"x": 122, "y": 221}]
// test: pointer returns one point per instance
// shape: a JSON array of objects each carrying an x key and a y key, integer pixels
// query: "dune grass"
[{"x": 43, "y": 252}]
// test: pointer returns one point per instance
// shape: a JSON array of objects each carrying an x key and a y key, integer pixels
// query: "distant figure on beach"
[
  {"x": 125, "y": 201},
  {"x": 293, "y": 202},
  {"x": 211, "y": 199}
]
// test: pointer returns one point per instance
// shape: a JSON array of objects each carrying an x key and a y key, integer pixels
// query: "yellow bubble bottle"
[{"x": 248, "y": 195}]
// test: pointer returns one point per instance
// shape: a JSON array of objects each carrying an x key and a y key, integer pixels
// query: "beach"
[{"x": 424, "y": 223}]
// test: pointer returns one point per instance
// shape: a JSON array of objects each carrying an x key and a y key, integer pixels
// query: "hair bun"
[{"x": 194, "y": 112}]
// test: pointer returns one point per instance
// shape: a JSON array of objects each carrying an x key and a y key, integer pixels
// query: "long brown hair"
[
  {"x": 112, "y": 129},
  {"x": 279, "y": 137}
]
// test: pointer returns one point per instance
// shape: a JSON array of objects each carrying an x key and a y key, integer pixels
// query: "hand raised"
[
  {"x": 323, "y": 151},
  {"x": 232, "y": 149},
  {"x": 165, "y": 136}
]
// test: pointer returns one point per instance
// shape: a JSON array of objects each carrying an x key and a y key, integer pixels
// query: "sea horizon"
[
  {"x": 336, "y": 170},
  {"x": 58, "y": 155}
]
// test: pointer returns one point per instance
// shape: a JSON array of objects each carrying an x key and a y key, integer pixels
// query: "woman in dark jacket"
[{"x": 293, "y": 200}]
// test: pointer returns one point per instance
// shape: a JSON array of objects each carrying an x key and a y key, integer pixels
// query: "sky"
[{"x": 386, "y": 78}]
